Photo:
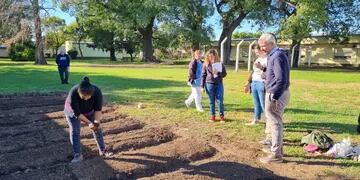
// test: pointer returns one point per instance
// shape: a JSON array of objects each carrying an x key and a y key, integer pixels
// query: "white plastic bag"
[
  {"x": 340, "y": 149},
  {"x": 355, "y": 151}
]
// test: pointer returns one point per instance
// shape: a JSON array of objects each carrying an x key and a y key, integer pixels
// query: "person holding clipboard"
[{"x": 212, "y": 81}]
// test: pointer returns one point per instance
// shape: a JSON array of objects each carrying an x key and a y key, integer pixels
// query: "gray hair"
[{"x": 268, "y": 37}]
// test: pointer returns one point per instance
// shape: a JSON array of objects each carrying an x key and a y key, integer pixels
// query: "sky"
[{"x": 214, "y": 20}]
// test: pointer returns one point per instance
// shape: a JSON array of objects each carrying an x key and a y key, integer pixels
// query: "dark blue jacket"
[
  {"x": 277, "y": 73},
  {"x": 63, "y": 60}
]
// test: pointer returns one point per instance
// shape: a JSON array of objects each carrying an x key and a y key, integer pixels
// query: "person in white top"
[{"x": 256, "y": 84}]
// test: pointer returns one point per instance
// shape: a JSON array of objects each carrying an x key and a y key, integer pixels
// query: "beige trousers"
[{"x": 274, "y": 122}]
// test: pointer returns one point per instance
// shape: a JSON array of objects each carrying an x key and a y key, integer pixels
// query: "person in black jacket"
[
  {"x": 84, "y": 104},
  {"x": 63, "y": 63},
  {"x": 212, "y": 80},
  {"x": 194, "y": 80}
]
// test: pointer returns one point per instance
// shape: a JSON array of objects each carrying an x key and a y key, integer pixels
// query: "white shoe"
[
  {"x": 252, "y": 123},
  {"x": 200, "y": 110},
  {"x": 77, "y": 158},
  {"x": 106, "y": 154},
  {"x": 265, "y": 142},
  {"x": 187, "y": 104}
]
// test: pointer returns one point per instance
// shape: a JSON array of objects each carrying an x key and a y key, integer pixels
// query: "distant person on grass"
[
  {"x": 212, "y": 80},
  {"x": 63, "y": 63},
  {"x": 256, "y": 84},
  {"x": 194, "y": 80},
  {"x": 84, "y": 104},
  {"x": 277, "y": 95}
]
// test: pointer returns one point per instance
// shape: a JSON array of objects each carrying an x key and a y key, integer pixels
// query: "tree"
[
  {"x": 343, "y": 19},
  {"x": 232, "y": 13},
  {"x": 295, "y": 20},
  {"x": 189, "y": 18},
  {"x": 102, "y": 28},
  {"x": 55, "y": 36},
  {"x": 75, "y": 31},
  {"x": 14, "y": 24},
  {"x": 298, "y": 24},
  {"x": 39, "y": 44},
  {"x": 129, "y": 47},
  {"x": 138, "y": 15}
]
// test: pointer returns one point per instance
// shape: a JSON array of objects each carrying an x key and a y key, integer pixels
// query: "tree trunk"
[
  {"x": 39, "y": 52},
  {"x": 195, "y": 46},
  {"x": 80, "y": 36},
  {"x": 112, "y": 54},
  {"x": 79, "y": 47},
  {"x": 131, "y": 58},
  {"x": 147, "y": 33},
  {"x": 296, "y": 53},
  {"x": 228, "y": 29}
]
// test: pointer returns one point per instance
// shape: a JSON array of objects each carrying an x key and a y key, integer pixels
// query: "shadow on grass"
[
  {"x": 348, "y": 69},
  {"x": 327, "y": 127},
  {"x": 315, "y": 112}
]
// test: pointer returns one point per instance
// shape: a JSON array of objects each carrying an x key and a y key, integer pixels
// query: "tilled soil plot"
[{"x": 34, "y": 144}]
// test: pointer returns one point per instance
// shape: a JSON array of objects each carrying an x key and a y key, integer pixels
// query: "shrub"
[
  {"x": 73, "y": 53},
  {"x": 22, "y": 51}
]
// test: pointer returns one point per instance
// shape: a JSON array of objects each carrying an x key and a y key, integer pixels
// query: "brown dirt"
[{"x": 34, "y": 144}]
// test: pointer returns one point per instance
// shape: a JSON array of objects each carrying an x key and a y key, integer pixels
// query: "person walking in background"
[
  {"x": 256, "y": 84},
  {"x": 194, "y": 80},
  {"x": 63, "y": 63},
  {"x": 277, "y": 95},
  {"x": 212, "y": 80}
]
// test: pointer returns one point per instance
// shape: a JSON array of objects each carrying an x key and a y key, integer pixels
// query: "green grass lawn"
[{"x": 327, "y": 100}]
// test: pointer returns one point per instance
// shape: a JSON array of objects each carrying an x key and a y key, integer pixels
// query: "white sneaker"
[
  {"x": 77, "y": 158},
  {"x": 106, "y": 154},
  {"x": 200, "y": 110},
  {"x": 252, "y": 123},
  {"x": 265, "y": 142},
  {"x": 187, "y": 104}
]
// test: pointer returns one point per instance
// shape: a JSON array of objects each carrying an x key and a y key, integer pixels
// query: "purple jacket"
[
  {"x": 277, "y": 73},
  {"x": 208, "y": 77}
]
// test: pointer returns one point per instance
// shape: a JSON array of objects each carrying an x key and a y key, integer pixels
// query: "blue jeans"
[
  {"x": 215, "y": 91},
  {"x": 74, "y": 125},
  {"x": 258, "y": 93},
  {"x": 64, "y": 74}
]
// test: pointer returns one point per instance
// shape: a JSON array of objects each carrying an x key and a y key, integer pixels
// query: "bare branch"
[{"x": 218, "y": 5}]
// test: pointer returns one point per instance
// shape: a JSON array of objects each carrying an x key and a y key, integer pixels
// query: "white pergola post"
[
  {"x": 249, "y": 55},
  {"x": 238, "y": 55},
  {"x": 292, "y": 54},
  {"x": 222, "y": 49}
]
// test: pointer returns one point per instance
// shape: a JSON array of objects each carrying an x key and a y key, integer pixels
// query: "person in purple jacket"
[
  {"x": 277, "y": 95},
  {"x": 194, "y": 80},
  {"x": 63, "y": 63}
]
